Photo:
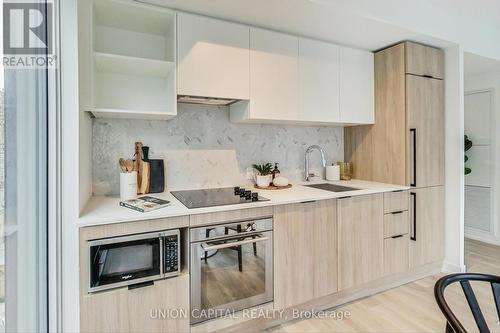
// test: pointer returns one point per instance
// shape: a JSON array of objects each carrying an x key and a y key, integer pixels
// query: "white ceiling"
[
  {"x": 327, "y": 20},
  {"x": 474, "y": 64}
]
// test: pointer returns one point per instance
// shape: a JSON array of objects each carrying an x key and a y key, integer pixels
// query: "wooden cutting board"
[
  {"x": 145, "y": 178},
  {"x": 138, "y": 166}
]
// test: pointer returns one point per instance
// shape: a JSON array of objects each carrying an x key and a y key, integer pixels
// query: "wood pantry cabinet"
[
  {"x": 305, "y": 252},
  {"x": 424, "y": 61},
  {"x": 406, "y": 144},
  {"x": 361, "y": 239},
  {"x": 425, "y": 108}
]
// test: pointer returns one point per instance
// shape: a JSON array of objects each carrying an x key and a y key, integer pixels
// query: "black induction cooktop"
[{"x": 216, "y": 197}]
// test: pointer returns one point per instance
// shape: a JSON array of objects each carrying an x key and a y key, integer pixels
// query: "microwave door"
[
  {"x": 123, "y": 261},
  {"x": 99, "y": 259}
]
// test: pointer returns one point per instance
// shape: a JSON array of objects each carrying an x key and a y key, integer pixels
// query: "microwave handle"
[
  {"x": 162, "y": 264},
  {"x": 259, "y": 238}
]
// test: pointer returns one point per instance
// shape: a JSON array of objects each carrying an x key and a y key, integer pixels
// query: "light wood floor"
[{"x": 411, "y": 308}]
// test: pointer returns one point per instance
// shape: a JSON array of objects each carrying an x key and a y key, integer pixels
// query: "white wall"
[
  {"x": 454, "y": 160},
  {"x": 474, "y": 25},
  {"x": 489, "y": 81},
  {"x": 69, "y": 165}
]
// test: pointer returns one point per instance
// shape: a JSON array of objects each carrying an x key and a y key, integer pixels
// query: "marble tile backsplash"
[{"x": 203, "y": 149}]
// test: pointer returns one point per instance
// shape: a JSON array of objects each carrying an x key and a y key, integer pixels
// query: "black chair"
[
  {"x": 453, "y": 325},
  {"x": 238, "y": 248}
]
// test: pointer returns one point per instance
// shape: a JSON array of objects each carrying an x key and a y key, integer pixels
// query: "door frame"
[{"x": 490, "y": 237}]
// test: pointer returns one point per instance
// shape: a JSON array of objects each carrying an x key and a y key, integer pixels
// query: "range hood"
[{"x": 205, "y": 100}]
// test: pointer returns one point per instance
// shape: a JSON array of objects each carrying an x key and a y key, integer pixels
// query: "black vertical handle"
[
  {"x": 414, "y": 133},
  {"x": 414, "y": 198},
  {"x": 145, "y": 153}
]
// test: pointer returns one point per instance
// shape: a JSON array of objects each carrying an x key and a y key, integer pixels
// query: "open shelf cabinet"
[{"x": 131, "y": 60}]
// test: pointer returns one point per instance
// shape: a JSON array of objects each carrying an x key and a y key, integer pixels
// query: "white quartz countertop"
[{"x": 106, "y": 209}]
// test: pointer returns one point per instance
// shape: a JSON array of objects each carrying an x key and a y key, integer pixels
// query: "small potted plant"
[
  {"x": 468, "y": 145},
  {"x": 264, "y": 178}
]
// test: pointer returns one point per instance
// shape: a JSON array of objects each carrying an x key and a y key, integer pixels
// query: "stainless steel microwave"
[{"x": 133, "y": 260}]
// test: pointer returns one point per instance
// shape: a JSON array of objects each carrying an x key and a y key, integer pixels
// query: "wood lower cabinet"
[
  {"x": 137, "y": 310},
  {"x": 427, "y": 225},
  {"x": 361, "y": 239},
  {"x": 397, "y": 223},
  {"x": 396, "y": 201},
  {"x": 305, "y": 252},
  {"x": 396, "y": 256}
]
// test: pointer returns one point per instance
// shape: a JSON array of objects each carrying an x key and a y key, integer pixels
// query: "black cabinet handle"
[
  {"x": 398, "y": 212},
  {"x": 141, "y": 285},
  {"x": 414, "y": 198},
  {"x": 398, "y": 236},
  {"x": 310, "y": 201},
  {"x": 414, "y": 133}
]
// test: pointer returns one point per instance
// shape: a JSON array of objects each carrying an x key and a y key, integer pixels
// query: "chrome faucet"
[{"x": 306, "y": 160}]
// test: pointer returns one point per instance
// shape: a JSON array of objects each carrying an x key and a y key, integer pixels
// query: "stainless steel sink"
[{"x": 333, "y": 188}]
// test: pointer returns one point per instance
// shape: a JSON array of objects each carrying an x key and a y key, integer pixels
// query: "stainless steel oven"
[
  {"x": 231, "y": 267},
  {"x": 132, "y": 260}
]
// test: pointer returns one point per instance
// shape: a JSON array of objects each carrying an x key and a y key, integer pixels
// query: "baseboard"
[
  {"x": 481, "y": 236},
  {"x": 453, "y": 268}
]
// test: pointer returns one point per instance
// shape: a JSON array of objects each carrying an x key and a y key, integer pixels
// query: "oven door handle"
[{"x": 258, "y": 238}]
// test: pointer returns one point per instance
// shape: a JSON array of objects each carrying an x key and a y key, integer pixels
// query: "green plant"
[
  {"x": 467, "y": 146},
  {"x": 263, "y": 169}
]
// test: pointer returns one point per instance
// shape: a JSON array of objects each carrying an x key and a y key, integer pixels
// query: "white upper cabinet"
[
  {"x": 273, "y": 76},
  {"x": 356, "y": 86},
  {"x": 213, "y": 58},
  {"x": 318, "y": 81},
  {"x": 303, "y": 81}
]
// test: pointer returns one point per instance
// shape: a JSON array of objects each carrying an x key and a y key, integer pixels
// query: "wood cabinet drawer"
[
  {"x": 396, "y": 224},
  {"x": 424, "y": 60},
  {"x": 124, "y": 310},
  {"x": 396, "y": 201},
  {"x": 396, "y": 254}
]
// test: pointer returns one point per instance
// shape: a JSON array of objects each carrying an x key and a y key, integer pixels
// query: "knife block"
[{"x": 156, "y": 176}]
